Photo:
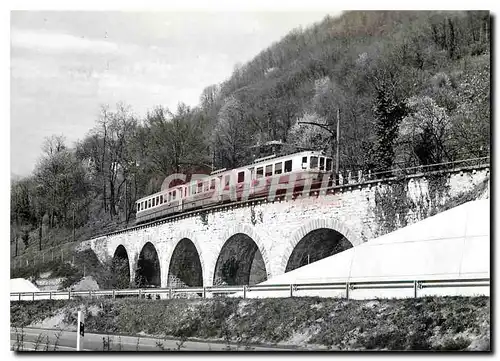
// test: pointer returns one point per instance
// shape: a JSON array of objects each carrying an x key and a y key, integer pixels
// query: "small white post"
[{"x": 79, "y": 332}]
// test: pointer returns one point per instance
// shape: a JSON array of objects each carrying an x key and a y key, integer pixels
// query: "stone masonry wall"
[{"x": 361, "y": 212}]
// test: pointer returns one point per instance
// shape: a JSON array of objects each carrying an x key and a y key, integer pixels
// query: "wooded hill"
[{"x": 412, "y": 88}]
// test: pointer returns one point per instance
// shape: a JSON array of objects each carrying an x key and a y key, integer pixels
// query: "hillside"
[
  {"x": 411, "y": 88},
  {"x": 378, "y": 68},
  {"x": 444, "y": 323}
]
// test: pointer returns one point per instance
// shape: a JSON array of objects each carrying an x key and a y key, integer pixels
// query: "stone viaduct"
[{"x": 249, "y": 243}]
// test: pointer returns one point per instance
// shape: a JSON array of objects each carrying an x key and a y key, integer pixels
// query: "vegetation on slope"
[
  {"x": 430, "y": 323},
  {"x": 83, "y": 263},
  {"x": 411, "y": 87}
]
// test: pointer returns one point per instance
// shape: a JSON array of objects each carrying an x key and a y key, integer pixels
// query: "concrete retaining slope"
[{"x": 453, "y": 244}]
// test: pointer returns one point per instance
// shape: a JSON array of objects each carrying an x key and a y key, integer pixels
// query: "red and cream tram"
[{"x": 266, "y": 177}]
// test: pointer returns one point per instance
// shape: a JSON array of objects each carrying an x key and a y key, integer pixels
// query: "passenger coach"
[{"x": 223, "y": 186}]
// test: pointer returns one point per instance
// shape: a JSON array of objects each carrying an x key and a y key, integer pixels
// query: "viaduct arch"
[{"x": 272, "y": 231}]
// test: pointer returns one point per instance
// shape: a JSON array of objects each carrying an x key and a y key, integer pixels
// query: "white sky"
[{"x": 64, "y": 65}]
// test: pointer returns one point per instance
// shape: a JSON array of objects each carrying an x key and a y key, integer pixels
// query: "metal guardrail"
[
  {"x": 245, "y": 289},
  {"x": 398, "y": 170}
]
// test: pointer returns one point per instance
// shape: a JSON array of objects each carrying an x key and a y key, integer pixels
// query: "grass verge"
[{"x": 431, "y": 323}]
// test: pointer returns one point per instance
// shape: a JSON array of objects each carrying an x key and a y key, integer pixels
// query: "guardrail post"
[
  {"x": 415, "y": 285},
  {"x": 170, "y": 293},
  {"x": 69, "y": 295},
  {"x": 291, "y": 290},
  {"x": 204, "y": 292},
  {"x": 19, "y": 296},
  {"x": 140, "y": 293},
  {"x": 90, "y": 294},
  {"x": 50, "y": 295},
  {"x": 114, "y": 294},
  {"x": 33, "y": 296},
  {"x": 347, "y": 285},
  {"x": 244, "y": 291}
]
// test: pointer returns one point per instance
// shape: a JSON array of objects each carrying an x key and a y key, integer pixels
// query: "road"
[{"x": 66, "y": 341}]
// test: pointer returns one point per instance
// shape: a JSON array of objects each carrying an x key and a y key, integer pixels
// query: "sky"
[{"x": 65, "y": 65}]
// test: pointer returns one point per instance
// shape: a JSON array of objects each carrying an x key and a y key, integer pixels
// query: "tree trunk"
[
  {"x": 112, "y": 210},
  {"x": 40, "y": 236},
  {"x": 105, "y": 205}
]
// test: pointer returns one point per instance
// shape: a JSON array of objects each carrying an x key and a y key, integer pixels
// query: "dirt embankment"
[{"x": 446, "y": 323}]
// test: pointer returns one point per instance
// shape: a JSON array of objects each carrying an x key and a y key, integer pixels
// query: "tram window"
[
  {"x": 314, "y": 162},
  {"x": 260, "y": 172},
  {"x": 200, "y": 187},
  {"x": 173, "y": 195},
  {"x": 288, "y": 166},
  {"x": 138, "y": 207},
  {"x": 153, "y": 202},
  {"x": 322, "y": 163},
  {"x": 149, "y": 203},
  {"x": 157, "y": 200},
  {"x": 269, "y": 170},
  {"x": 304, "y": 162},
  {"x": 329, "y": 164},
  {"x": 226, "y": 180},
  {"x": 278, "y": 168},
  {"x": 212, "y": 184},
  {"x": 161, "y": 198},
  {"x": 241, "y": 177},
  {"x": 142, "y": 206}
]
